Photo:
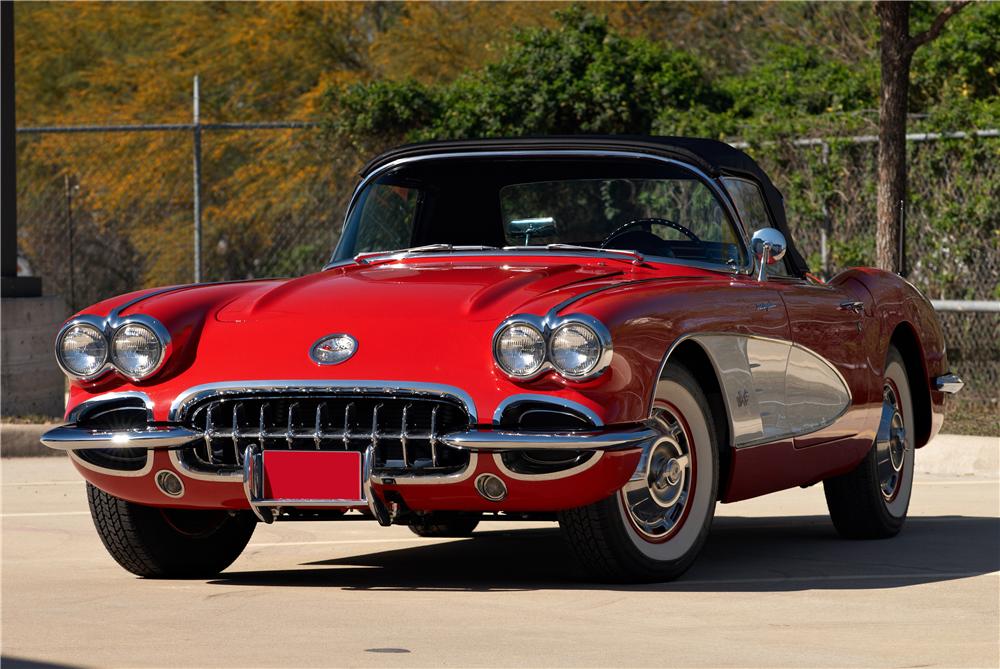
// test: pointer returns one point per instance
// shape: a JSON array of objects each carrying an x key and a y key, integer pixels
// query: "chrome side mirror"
[{"x": 769, "y": 246}]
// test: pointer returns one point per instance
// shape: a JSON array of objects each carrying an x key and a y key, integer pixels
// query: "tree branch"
[{"x": 931, "y": 33}]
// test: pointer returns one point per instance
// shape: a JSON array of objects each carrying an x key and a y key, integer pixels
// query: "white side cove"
[{"x": 774, "y": 389}]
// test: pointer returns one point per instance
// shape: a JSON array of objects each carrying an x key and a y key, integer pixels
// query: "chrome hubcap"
[
  {"x": 890, "y": 444},
  {"x": 657, "y": 495}
]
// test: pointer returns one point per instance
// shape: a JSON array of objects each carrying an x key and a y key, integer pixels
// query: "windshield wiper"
[
  {"x": 575, "y": 247},
  {"x": 429, "y": 248}
]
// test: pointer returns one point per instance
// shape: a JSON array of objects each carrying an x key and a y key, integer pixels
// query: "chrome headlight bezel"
[
  {"x": 90, "y": 322},
  {"x": 603, "y": 358},
  {"x": 109, "y": 328},
  {"x": 158, "y": 331},
  {"x": 547, "y": 326},
  {"x": 543, "y": 364}
]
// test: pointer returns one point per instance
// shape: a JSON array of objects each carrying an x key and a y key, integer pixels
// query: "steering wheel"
[{"x": 647, "y": 224}]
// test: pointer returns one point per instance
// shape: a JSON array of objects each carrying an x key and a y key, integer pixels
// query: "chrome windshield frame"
[{"x": 714, "y": 185}]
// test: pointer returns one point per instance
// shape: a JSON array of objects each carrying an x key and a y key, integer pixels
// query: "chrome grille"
[{"x": 404, "y": 431}]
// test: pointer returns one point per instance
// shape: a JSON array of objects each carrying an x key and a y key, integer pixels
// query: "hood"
[{"x": 466, "y": 290}]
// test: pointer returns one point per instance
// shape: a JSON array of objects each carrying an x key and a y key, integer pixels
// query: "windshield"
[{"x": 658, "y": 210}]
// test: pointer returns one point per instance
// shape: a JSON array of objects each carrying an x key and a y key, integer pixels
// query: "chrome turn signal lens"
[
  {"x": 136, "y": 350},
  {"x": 82, "y": 350},
  {"x": 575, "y": 350},
  {"x": 519, "y": 350}
]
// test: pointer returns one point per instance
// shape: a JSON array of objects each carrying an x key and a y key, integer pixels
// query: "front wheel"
[
  {"x": 653, "y": 528},
  {"x": 871, "y": 501},
  {"x": 155, "y": 542}
]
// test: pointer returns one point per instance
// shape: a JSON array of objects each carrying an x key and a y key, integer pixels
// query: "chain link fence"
[{"x": 104, "y": 211}]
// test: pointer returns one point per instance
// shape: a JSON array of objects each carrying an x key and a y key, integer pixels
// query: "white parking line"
[
  {"x": 44, "y": 513},
  {"x": 992, "y": 482},
  {"x": 42, "y": 483},
  {"x": 838, "y": 577},
  {"x": 348, "y": 542}
]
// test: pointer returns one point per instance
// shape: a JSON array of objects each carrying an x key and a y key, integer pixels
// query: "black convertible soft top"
[{"x": 711, "y": 156}]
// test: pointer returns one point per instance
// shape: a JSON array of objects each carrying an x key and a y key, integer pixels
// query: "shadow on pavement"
[
  {"x": 8, "y": 662},
  {"x": 742, "y": 554}
]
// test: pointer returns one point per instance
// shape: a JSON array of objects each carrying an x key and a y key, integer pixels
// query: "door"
[{"x": 827, "y": 324}]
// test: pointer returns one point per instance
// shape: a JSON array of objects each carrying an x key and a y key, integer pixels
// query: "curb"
[
  {"x": 960, "y": 455},
  {"x": 20, "y": 440}
]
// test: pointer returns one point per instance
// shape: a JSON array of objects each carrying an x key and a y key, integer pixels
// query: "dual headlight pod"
[
  {"x": 577, "y": 346},
  {"x": 136, "y": 346}
]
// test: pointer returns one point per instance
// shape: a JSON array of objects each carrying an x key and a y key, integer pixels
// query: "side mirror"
[
  {"x": 769, "y": 245},
  {"x": 540, "y": 227}
]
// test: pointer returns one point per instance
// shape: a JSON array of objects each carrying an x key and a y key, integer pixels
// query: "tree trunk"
[{"x": 894, "y": 18}]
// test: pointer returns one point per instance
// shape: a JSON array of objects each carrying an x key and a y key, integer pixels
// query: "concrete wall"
[{"x": 30, "y": 380}]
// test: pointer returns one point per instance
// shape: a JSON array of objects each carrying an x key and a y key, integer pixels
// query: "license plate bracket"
[{"x": 313, "y": 478}]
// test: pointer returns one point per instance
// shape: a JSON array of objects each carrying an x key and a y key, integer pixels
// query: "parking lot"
[{"x": 774, "y": 587}]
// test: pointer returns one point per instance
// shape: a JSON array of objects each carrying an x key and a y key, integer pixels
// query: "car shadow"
[{"x": 741, "y": 555}]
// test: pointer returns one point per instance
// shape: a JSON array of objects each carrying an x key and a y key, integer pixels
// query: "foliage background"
[{"x": 378, "y": 74}]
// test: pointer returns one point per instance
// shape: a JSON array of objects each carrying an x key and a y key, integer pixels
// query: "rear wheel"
[
  {"x": 444, "y": 524},
  {"x": 653, "y": 528},
  {"x": 871, "y": 501},
  {"x": 169, "y": 543}
]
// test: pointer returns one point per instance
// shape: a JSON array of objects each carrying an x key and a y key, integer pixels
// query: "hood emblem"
[{"x": 333, "y": 349}]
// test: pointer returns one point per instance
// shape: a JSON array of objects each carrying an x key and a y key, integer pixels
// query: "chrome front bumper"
[{"x": 72, "y": 438}]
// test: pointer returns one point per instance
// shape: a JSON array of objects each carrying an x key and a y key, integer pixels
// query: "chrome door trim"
[
  {"x": 721, "y": 194},
  {"x": 183, "y": 402}
]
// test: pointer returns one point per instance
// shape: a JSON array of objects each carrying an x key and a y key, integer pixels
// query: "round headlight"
[
  {"x": 82, "y": 350},
  {"x": 575, "y": 350},
  {"x": 136, "y": 350},
  {"x": 519, "y": 350}
]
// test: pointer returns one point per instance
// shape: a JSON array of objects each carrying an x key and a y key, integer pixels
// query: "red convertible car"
[{"x": 616, "y": 332}]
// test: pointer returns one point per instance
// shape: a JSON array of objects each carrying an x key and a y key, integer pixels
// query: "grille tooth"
[
  {"x": 403, "y": 436},
  {"x": 318, "y": 432},
  {"x": 236, "y": 432},
  {"x": 347, "y": 426},
  {"x": 209, "y": 434},
  {"x": 433, "y": 437},
  {"x": 262, "y": 424},
  {"x": 290, "y": 432},
  {"x": 402, "y": 431},
  {"x": 375, "y": 426}
]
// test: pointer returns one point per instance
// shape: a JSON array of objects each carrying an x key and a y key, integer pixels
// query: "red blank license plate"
[{"x": 308, "y": 475}]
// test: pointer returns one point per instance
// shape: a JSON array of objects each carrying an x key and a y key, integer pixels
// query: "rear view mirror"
[{"x": 538, "y": 227}]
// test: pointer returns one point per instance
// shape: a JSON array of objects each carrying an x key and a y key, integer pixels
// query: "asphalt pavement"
[{"x": 774, "y": 587}]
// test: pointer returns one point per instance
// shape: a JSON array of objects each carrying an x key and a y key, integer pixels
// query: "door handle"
[{"x": 856, "y": 307}]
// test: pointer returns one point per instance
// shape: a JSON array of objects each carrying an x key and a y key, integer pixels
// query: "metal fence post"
[
  {"x": 197, "y": 182},
  {"x": 824, "y": 231},
  {"x": 70, "y": 234}
]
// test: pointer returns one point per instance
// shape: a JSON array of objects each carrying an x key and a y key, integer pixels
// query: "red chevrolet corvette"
[{"x": 613, "y": 331}]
